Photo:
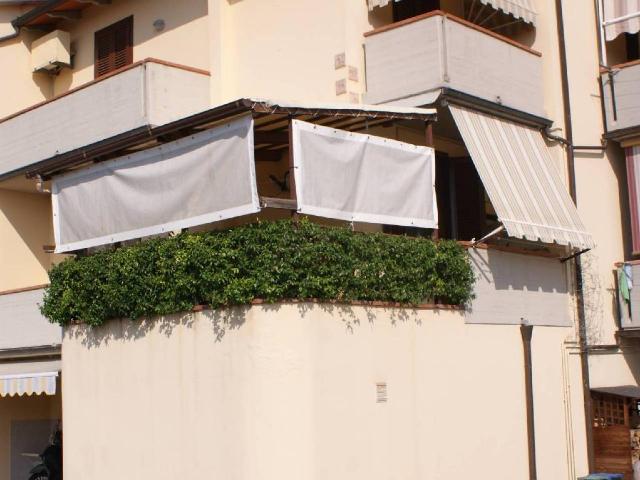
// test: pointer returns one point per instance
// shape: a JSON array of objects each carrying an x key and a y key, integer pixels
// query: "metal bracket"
[
  {"x": 475, "y": 242},
  {"x": 574, "y": 255}
]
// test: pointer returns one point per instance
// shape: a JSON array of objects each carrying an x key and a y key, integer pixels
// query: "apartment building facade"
[{"x": 528, "y": 106}]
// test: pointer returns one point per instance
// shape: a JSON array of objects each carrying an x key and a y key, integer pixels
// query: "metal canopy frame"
[{"x": 271, "y": 130}]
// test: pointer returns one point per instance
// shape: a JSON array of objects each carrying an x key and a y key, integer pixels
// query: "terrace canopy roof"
[{"x": 271, "y": 122}]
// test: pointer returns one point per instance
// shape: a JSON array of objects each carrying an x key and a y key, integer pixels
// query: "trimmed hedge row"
[{"x": 272, "y": 261}]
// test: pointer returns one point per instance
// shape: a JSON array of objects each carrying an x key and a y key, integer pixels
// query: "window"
[
  {"x": 114, "y": 47},
  {"x": 632, "y": 42}
]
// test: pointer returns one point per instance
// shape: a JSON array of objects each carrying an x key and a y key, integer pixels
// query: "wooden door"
[{"x": 611, "y": 434}]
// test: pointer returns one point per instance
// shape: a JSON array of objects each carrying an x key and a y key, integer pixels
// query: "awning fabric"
[
  {"x": 363, "y": 178},
  {"x": 523, "y": 9},
  {"x": 28, "y": 384},
  {"x": 615, "y": 18},
  {"x": 525, "y": 189}
]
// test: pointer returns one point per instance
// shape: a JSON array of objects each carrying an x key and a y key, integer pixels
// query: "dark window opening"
[
  {"x": 114, "y": 47},
  {"x": 632, "y": 42},
  {"x": 462, "y": 202},
  {"x": 412, "y": 8}
]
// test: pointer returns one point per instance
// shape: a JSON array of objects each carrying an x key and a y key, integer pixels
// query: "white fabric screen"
[
  {"x": 362, "y": 178},
  {"x": 206, "y": 177},
  {"x": 517, "y": 171},
  {"x": 620, "y": 16}
]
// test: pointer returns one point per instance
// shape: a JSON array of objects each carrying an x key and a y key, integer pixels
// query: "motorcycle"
[{"x": 50, "y": 465}]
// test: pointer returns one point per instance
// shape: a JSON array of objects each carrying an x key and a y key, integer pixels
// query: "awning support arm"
[
  {"x": 493, "y": 232},
  {"x": 574, "y": 255}
]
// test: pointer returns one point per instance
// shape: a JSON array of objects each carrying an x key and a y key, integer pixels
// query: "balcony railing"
[
  {"x": 621, "y": 93},
  {"x": 22, "y": 327},
  {"x": 407, "y": 62},
  {"x": 146, "y": 93}
]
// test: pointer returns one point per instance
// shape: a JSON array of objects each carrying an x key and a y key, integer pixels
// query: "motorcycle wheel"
[{"x": 39, "y": 476}]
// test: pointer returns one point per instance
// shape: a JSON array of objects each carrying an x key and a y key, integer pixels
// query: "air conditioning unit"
[{"x": 51, "y": 52}]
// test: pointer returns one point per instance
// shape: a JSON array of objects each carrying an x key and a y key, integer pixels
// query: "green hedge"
[{"x": 272, "y": 261}]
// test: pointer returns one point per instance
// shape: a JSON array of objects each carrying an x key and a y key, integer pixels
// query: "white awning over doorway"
[
  {"x": 516, "y": 169},
  {"x": 39, "y": 383}
]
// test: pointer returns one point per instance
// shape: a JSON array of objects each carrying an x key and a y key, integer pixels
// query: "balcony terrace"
[
  {"x": 142, "y": 95},
  {"x": 411, "y": 61}
]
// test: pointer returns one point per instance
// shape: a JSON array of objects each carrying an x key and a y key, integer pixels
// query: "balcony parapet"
[
  {"x": 145, "y": 94},
  {"x": 409, "y": 62}
]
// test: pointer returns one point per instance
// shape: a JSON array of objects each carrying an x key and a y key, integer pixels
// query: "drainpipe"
[
  {"x": 526, "y": 331},
  {"x": 582, "y": 328}
]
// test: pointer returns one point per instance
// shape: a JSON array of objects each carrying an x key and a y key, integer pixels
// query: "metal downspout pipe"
[
  {"x": 582, "y": 329},
  {"x": 526, "y": 331}
]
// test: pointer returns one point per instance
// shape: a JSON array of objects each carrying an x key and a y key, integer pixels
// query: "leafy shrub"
[{"x": 271, "y": 261}]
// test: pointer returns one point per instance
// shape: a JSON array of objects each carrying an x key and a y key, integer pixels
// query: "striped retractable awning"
[
  {"x": 620, "y": 16},
  {"x": 28, "y": 384},
  {"x": 517, "y": 171},
  {"x": 523, "y": 9}
]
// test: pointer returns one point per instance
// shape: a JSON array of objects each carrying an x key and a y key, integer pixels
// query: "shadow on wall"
[
  {"x": 511, "y": 271},
  {"x": 632, "y": 357},
  {"x": 228, "y": 319},
  {"x": 594, "y": 299},
  {"x": 29, "y": 214}
]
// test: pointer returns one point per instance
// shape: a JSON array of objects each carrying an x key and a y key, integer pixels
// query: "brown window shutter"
[{"x": 114, "y": 47}]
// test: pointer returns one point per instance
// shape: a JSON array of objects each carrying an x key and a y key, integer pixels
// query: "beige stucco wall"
[
  {"x": 37, "y": 407},
  {"x": 285, "y": 50},
  {"x": 184, "y": 40},
  {"x": 19, "y": 86},
  {"x": 289, "y": 391},
  {"x": 25, "y": 227}
]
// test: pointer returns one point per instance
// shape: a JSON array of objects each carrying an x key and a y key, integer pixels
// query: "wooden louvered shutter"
[{"x": 114, "y": 47}]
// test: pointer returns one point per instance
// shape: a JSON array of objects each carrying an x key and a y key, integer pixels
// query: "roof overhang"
[
  {"x": 625, "y": 135},
  {"x": 455, "y": 97},
  {"x": 271, "y": 124},
  {"x": 631, "y": 391},
  {"x": 51, "y": 12}
]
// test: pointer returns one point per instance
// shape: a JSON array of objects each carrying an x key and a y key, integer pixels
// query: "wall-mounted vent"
[
  {"x": 381, "y": 392},
  {"x": 51, "y": 52}
]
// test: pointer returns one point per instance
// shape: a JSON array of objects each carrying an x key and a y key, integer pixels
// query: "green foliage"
[{"x": 272, "y": 261}]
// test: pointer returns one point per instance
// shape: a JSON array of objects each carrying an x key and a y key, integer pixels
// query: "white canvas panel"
[
  {"x": 203, "y": 178},
  {"x": 363, "y": 178}
]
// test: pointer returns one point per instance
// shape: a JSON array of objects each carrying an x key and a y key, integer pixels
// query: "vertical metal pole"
[
  {"x": 453, "y": 203},
  {"x": 429, "y": 142},
  {"x": 526, "y": 331},
  {"x": 292, "y": 177}
]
